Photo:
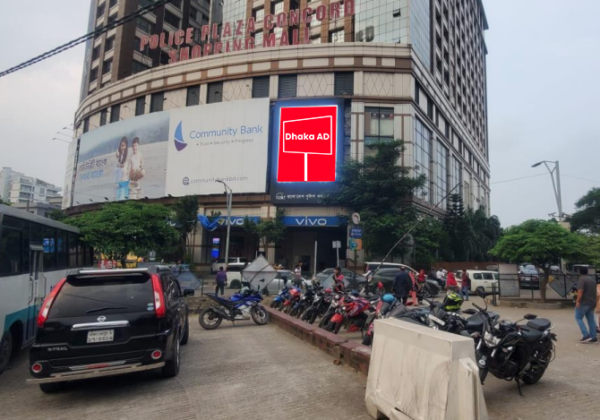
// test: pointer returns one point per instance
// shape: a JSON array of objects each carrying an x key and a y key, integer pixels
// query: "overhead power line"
[
  {"x": 140, "y": 12},
  {"x": 518, "y": 179}
]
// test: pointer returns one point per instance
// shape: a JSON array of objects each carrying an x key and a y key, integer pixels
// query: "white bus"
[{"x": 35, "y": 254}]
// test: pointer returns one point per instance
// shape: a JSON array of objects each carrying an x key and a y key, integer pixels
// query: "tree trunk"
[{"x": 543, "y": 284}]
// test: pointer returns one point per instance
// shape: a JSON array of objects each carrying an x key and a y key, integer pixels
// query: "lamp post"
[
  {"x": 555, "y": 184},
  {"x": 229, "y": 193}
]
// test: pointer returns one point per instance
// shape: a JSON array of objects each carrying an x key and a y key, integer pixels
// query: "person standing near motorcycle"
[
  {"x": 451, "y": 283},
  {"x": 298, "y": 275},
  {"x": 221, "y": 281},
  {"x": 402, "y": 285},
  {"x": 338, "y": 278},
  {"x": 465, "y": 285},
  {"x": 585, "y": 306}
]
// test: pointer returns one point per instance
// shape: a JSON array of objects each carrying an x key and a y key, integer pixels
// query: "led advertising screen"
[{"x": 307, "y": 152}]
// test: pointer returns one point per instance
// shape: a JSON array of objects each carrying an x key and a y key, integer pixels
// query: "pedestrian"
[
  {"x": 176, "y": 269},
  {"x": 413, "y": 290},
  {"x": 451, "y": 283},
  {"x": 338, "y": 278},
  {"x": 598, "y": 306},
  {"x": 465, "y": 285},
  {"x": 402, "y": 285},
  {"x": 221, "y": 281},
  {"x": 298, "y": 275},
  {"x": 585, "y": 306},
  {"x": 422, "y": 276},
  {"x": 440, "y": 274}
]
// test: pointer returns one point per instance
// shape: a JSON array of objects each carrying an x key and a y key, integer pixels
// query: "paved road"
[{"x": 246, "y": 372}]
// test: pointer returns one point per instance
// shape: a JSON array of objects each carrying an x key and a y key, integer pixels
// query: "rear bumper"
[{"x": 95, "y": 373}]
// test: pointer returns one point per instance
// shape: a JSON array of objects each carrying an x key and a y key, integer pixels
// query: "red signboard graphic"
[{"x": 307, "y": 144}]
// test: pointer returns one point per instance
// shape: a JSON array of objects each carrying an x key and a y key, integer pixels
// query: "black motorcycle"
[
  {"x": 318, "y": 307},
  {"x": 305, "y": 302},
  {"x": 513, "y": 351}
]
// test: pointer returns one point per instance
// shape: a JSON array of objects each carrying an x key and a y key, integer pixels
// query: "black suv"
[{"x": 98, "y": 323}]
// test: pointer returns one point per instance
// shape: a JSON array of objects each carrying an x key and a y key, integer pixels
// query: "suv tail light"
[
  {"x": 45, "y": 310},
  {"x": 36, "y": 367},
  {"x": 159, "y": 297}
]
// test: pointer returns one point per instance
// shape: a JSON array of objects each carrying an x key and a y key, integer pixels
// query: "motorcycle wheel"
[
  {"x": 535, "y": 373},
  {"x": 313, "y": 317},
  {"x": 334, "y": 327},
  {"x": 325, "y": 321},
  {"x": 300, "y": 312},
  {"x": 294, "y": 312},
  {"x": 274, "y": 304},
  {"x": 209, "y": 319},
  {"x": 259, "y": 315},
  {"x": 306, "y": 315},
  {"x": 287, "y": 309},
  {"x": 367, "y": 340}
]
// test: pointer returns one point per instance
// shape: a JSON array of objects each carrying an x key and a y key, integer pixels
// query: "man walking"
[
  {"x": 585, "y": 305},
  {"x": 402, "y": 285},
  {"x": 221, "y": 280},
  {"x": 465, "y": 285}
]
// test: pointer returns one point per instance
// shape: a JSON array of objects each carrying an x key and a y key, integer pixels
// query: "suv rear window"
[{"x": 124, "y": 294}]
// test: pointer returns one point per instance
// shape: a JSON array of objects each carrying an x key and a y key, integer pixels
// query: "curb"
[{"x": 349, "y": 353}]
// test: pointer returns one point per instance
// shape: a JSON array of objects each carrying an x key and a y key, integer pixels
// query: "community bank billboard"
[{"x": 177, "y": 152}]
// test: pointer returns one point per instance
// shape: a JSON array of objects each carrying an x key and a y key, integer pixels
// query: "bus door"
[{"x": 37, "y": 288}]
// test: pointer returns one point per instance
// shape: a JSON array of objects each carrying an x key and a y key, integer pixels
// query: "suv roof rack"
[{"x": 111, "y": 271}]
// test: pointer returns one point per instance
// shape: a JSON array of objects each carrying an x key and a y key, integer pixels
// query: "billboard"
[
  {"x": 177, "y": 152},
  {"x": 227, "y": 141},
  {"x": 307, "y": 151}
]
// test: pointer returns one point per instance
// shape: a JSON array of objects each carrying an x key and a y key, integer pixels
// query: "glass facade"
[
  {"x": 420, "y": 24},
  {"x": 423, "y": 159},
  {"x": 233, "y": 11},
  {"x": 441, "y": 173},
  {"x": 379, "y": 124},
  {"x": 380, "y": 21},
  {"x": 456, "y": 175}
]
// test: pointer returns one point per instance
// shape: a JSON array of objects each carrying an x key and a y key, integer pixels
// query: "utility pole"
[
  {"x": 555, "y": 184},
  {"x": 229, "y": 193}
]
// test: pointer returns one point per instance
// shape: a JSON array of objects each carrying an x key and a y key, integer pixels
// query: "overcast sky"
[{"x": 543, "y": 86}]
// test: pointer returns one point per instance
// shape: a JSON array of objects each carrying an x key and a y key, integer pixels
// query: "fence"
[{"x": 559, "y": 287}]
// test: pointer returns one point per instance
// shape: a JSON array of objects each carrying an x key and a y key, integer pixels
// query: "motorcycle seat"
[
  {"x": 539, "y": 324},
  {"x": 530, "y": 335},
  {"x": 475, "y": 323}
]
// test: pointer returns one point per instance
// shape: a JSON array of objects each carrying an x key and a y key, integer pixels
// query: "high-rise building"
[
  {"x": 413, "y": 70},
  {"x": 16, "y": 188}
]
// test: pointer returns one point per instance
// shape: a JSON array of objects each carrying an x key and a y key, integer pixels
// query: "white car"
[
  {"x": 214, "y": 267},
  {"x": 284, "y": 277},
  {"x": 480, "y": 280},
  {"x": 234, "y": 272}
]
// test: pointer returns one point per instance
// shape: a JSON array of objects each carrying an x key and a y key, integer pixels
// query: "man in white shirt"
[{"x": 135, "y": 169}]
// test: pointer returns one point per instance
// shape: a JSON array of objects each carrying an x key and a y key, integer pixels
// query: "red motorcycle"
[
  {"x": 294, "y": 296},
  {"x": 352, "y": 310}
]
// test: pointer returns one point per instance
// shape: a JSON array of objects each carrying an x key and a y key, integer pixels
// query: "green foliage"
[
  {"x": 120, "y": 228},
  {"x": 185, "y": 217},
  {"x": 57, "y": 214},
  {"x": 587, "y": 216},
  {"x": 430, "y": 238},
  {"x": 540, "y": 242},
  {"x": 267, "y": 231},
  {"x": 6, "y": 203},
  {"x": 380, "y": 190}
]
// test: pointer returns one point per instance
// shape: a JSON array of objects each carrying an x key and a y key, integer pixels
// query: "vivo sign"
[{"x": 311, "y": 221}]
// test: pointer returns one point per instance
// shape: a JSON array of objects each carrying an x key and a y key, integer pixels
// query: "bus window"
[
  {"x": 10, "y": 251},
  {"x": 49, "y": 244},
  {"x": 62, "y": 239},
  {"x": 72, "y": 250},
  {"x": 25, "y": 247}
]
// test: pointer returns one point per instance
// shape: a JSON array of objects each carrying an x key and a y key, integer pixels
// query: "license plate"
[
  {"x": 436, "y": 320},
  {"x": 100, "y": 336}
]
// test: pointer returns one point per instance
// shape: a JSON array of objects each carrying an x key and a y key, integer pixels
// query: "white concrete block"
[
  {"x": 369, "y": 61},
  {"x": 215, "y": 72},
  {"x": 288, "y": 64}
]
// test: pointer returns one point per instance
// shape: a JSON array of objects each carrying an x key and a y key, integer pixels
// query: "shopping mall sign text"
[{"x": 240, "y": 35}]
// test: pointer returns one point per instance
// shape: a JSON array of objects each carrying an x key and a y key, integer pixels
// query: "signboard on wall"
[{"x": 307, "y": 150}]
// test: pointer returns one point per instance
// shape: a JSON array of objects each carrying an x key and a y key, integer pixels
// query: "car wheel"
[
  {"x": 480, "y": 290},
  {"x": 6, "y": 348},
  {"x": 186, "y": 332},
  {"x": 171, "y": 367},
  {"x": 52, "y": 387}
]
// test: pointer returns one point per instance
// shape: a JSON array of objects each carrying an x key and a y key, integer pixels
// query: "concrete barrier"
[{"x": 417, "y": 373}]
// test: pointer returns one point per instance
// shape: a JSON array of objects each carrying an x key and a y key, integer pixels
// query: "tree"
[
  {"x": 6, "y": 203},
  {"x": 57, "y": 214},
  {"x": 123, "y": 227},
  {"x": 381, "y": 191},
  {"x": 185, "y": 217},
  {"x": 541, "y": 242},
  {"x": 267, "y": 231},
  {"x": 430, "y": 237},
  {"x": 587, "y": 216}
]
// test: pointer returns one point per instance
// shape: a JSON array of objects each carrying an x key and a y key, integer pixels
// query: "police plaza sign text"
[{"x": 240, "y": 35}]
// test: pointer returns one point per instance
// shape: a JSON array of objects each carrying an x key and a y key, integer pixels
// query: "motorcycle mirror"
[{"x": 529, "y": 317}]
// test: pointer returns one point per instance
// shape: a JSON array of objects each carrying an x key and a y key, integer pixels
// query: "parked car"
[
  {"x": 387, "y": 275},
  {"x": 97, "y": 323},
  {"x": 481, "y": 280},
  {"x": 216, "y": 264},
  {"x": 283, "y": 277},
  {"x": 354, "y": 281},
  {"x": 234, "y": 271},
  {"x": 529, "y": 277},
  {"x": 370, "y": 266}
]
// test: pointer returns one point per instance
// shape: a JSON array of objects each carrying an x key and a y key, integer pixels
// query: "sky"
[{"x": 543, "y": 87}]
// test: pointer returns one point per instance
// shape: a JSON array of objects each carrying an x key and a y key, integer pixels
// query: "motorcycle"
[
  {"x": 280, "y": 298},
  {"x": 513, "y": 351},
  {"x": 382, "y": 307},
  {"x": 318, "y": 307},
  {"x": 292, "y": 297},
  {"x": 352, "y": 310},
  {"x": 242, "y": 306},
  {"x": 333, "y": 305},
  {"x": 305, "y": 301}
]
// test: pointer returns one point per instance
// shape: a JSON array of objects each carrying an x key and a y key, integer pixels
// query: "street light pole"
[
  {"x": 229, "y": 203},
  {"x": 555, "y": 184}
]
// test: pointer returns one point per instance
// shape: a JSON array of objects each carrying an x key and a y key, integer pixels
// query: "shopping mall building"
[{"x": 201, "y": 90}]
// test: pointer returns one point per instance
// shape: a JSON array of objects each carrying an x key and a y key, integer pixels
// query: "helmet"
[
  {"x": 380, "y": 285},
  {"x": 388, "y": 298},
  {"x": 245, "y": 291},
  {"x": 452, "y": 302}
]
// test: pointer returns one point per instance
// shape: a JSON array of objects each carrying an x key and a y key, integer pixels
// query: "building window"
[
  {"x": 96, "y": 53},
  {"x": 137, "y": 67},
  {"x": 423, "y": 159},
  {"x": 379, "y": 124},
  {"x": 172, "y": 20},
  {"x": 258, "y": 39},
  {"x": 260, "y": 87},
  {"x": 111, "y": 20},
  {"x": 106, "y": 67},
  {"x": 215, "y": 92},
  {"x": 343, "y": 83},
  {"x": 430, "y": 108},
  {"x": 336, "y": 37},
  {"x": 176, "y": 3},
  {"x": 441, "y": 175},
  {"x": 140, "y": 106},
  {"x": 193, "y": 96},
  {"x": 164, "y": 58},
  {"x": 86, "y": 124},
  {"x": 288, "y": 86},
  {"x": 93, "y": 75},
  {"x": 145, "y": 26},
  {"x": 110, "y": 44},
  {"x": 115, "y": 113},
  {"x": 157, "y": 100},
  {"x": 315, "y": 39},
  {"x": 259, "y": 14},
  {"x": 100, "y": 11},
  {"x": 136, "y": 47},
  {"x": 112, "y": 3},
  {"x": 103, "y": 115},
  {"x": 277, "y": 7}
]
